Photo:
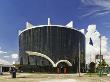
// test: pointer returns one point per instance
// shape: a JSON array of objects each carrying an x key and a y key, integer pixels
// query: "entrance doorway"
[{"x": 62, "y": 67}]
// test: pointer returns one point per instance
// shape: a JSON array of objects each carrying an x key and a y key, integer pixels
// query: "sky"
[{"x": 15, "y": 13}]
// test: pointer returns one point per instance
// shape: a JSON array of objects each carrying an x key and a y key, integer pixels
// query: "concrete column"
[{"x": 1, "y": 70}]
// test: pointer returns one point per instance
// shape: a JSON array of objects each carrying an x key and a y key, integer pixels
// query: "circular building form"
[{"x": 51, "y": 48}]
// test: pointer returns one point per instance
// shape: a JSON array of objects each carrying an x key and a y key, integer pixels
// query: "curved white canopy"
[{"x": 65, "y": 61}]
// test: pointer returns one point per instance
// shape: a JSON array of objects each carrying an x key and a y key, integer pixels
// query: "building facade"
[{"x": 57, "y": 42}]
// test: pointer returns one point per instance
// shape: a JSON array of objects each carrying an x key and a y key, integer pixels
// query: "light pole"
[
  {"x": 90, "y": 64},
  {"x": 100, "y": 56}
]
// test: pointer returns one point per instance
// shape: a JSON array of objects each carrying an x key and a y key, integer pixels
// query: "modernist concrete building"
[{"x": 46, "y": 48}]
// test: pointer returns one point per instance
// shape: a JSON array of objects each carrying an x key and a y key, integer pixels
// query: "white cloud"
[
  {"x": 6, "y": 56},
  {"x": 4, "y": 62},
  {"x": 14, "y": 56},
  {"x": 101, "y": 3},
  {"x": 98, "y": 7},
  {"x": 1, "y": 51},
  {"x": 106, "y": 25},
  {"x": 91, "y": 12},
  {"x": 91, "y": 51},
  {"x": 107, "y": 57}
]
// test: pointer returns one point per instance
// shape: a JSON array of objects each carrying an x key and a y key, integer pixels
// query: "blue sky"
[{"x": 15, "y": 13}]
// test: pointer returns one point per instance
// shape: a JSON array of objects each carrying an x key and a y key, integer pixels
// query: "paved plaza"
[{"x": 38, "y": 77}]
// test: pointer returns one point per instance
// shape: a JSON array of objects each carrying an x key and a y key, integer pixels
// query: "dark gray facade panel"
[{"x": 59, "y": 43}]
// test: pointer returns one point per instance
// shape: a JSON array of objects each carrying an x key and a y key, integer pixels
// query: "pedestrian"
[{"x": 13, "y": 72}]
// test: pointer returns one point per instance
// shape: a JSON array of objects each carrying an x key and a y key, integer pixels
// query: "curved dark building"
[{"x": 58, "y": 42}]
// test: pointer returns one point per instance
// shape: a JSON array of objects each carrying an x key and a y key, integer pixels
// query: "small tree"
[
  {"x": 102, "y": 66},
  {"x": 102, "y": 63},
  {"x": 92, "y": 67}
]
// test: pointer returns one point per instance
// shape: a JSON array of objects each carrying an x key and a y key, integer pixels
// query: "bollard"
[
  {"x": 58, "y": 70},
  {"x": 65, "y": 70}
]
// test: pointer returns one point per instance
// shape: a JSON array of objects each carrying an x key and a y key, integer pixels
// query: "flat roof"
[{"x": 47, "y": 25}]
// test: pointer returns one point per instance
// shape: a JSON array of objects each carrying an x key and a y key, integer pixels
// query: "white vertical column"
[{"x": 49, "y": 23}]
